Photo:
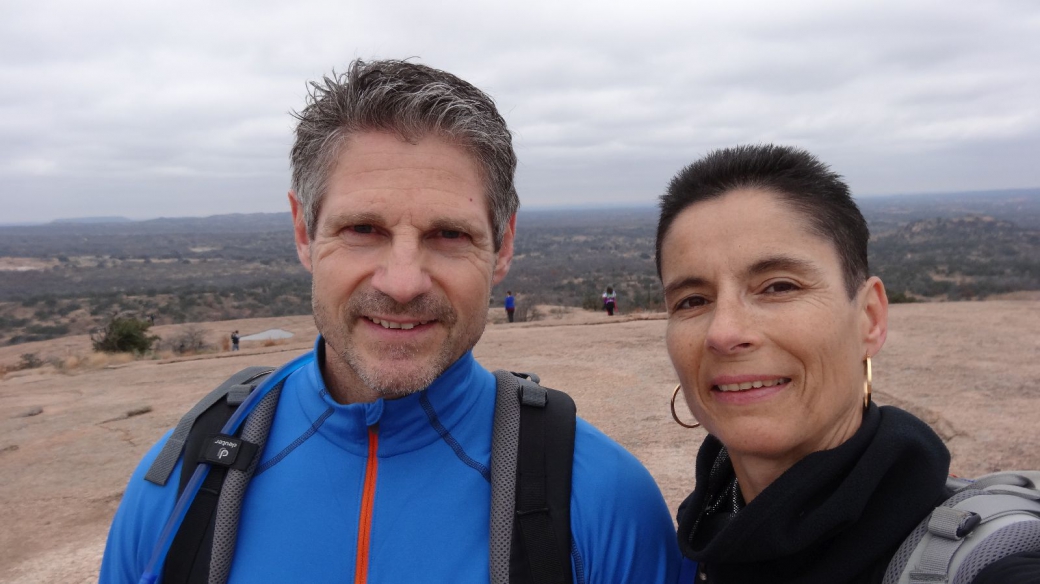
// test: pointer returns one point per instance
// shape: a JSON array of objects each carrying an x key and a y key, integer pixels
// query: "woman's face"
[{"x": 767, "y": 344}]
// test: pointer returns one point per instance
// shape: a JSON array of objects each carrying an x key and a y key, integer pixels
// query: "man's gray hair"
[{"x": 412, "y": 101}]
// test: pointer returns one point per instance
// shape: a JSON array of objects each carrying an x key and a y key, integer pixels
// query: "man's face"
[{"x": 403, "y": 261}]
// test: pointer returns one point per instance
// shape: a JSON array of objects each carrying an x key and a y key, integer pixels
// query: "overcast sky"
[{"x": 146, "y": 109}]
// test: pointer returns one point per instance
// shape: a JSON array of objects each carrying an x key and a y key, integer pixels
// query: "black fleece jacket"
[{"x": 836, "y": 516}]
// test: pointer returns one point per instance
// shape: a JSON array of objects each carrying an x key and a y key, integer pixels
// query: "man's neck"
[{"x": 343, "y": 384}]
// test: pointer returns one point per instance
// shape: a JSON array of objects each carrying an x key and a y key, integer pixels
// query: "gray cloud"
[{"x": 147, "y": 108}]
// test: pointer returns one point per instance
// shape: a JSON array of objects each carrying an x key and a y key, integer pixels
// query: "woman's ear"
[{"x": 874, "y": 303}]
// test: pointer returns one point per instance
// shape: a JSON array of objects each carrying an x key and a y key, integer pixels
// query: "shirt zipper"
[{"x": 368, "y": 496}]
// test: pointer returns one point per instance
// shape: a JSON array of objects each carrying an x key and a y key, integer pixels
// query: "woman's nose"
[
  {"x": 403, "y": 275},
  {"x": 731, "y": 329}
]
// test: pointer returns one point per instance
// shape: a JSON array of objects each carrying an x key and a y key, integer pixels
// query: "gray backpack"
[{"x": 985, "y": 520}]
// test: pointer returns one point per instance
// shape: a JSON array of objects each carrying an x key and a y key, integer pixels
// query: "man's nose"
[
  {"x": 731, "y": 331},
  {"x": 403, "y": 275}
]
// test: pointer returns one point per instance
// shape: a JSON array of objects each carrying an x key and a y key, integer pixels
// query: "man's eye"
[
  {"x": 779, "y": 287},
  {"x": 450, "y": 234},
  {"x": 362, "y": 229}
]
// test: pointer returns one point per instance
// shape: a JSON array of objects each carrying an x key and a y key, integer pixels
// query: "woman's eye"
[{"x": 691, "y": 302}]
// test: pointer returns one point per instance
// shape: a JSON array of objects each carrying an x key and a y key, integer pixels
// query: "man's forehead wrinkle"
[
  {"x": 380, "y": 189},
  {"x": 390, "y": 173},
  {"x": 358, "y": 218}
]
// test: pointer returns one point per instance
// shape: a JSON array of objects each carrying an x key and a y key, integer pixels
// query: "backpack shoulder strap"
[
  {"x": 1000, "y": 512},
  {"x": 189, "y": 554},
  {"x": 535, "y": 424},
  {"x": 234, "y": 386}
]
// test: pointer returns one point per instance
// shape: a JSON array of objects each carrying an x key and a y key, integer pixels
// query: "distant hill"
[
  {"x": 90, "y": 220},
  {"x": 1020, "y": 206},
  {"x": 66, "y": 278},
  {"x": 961, "y": 257}
]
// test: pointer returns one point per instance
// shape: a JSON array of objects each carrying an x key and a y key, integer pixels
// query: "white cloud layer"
[{"x": 151, "y": 108}]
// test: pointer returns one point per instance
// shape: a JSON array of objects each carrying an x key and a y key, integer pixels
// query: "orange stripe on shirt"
[{"x": 367, "y": 501}]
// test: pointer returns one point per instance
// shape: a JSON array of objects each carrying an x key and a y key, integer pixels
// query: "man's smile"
[{"x": 403, "y": 325}]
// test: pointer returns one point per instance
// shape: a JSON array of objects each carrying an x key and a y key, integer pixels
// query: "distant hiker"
[
  {"x": 610, "y": 301},
  {"x": 234, "y": 341},
  {"x": 369, "y": 459},
  {"x": 510, "y": 305}
]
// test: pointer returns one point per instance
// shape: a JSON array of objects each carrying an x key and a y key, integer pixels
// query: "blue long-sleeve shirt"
[{"x": 429, "y": 498}]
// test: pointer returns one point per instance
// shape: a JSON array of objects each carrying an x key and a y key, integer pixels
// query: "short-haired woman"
[{"x": 772, "y": 322}]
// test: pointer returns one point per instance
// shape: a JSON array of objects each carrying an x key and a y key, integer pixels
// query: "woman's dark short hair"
[{"x": 797, "y": 177}]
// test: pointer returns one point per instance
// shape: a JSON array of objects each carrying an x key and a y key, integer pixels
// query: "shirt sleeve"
[
  {"x": 622, "y": 529},
  {"x": 138, "y": 522}
]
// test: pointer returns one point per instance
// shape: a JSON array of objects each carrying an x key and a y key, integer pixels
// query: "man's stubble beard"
[{"x": 380, "y": 377}]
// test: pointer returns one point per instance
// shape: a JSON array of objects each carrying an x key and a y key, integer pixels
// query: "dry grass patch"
[{"x": 90, "y": 361}]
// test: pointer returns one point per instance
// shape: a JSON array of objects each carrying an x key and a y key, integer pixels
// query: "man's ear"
[
  {"x": 874, "y": 303},
  {"x": 303, "y": 240},
  {"x": 505, "y": 251}
]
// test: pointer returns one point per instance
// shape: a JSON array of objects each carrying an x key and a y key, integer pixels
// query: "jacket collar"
[
  {"x": 404, "y": 424},
  {"x": 831, "y": 517}
]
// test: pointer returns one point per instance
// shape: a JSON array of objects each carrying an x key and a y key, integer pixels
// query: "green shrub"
[{"x": 123, "y": 335}]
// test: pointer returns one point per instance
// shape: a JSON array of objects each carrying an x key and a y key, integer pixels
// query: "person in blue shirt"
[
  {"x": 510, "y": 305},
  {"x": 376, "y": 466}
]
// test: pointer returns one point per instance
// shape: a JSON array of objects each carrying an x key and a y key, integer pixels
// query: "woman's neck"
[{"x": 756, "y": 471}]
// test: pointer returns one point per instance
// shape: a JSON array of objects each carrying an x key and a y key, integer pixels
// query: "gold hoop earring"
[
  {"x": 868, "y": 383},
  {"x": 676, "y": 416}
]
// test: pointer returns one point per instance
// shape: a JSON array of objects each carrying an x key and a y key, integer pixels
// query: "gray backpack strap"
[
  {"x": 1000, "y": 513},
  {"x": 225, "y": 530},
  {"x": 163, "y": 465},
  {"x": 1029, "y": 479},
  {"x": 504, "y": 441}
]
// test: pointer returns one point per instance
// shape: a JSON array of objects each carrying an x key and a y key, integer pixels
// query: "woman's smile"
[
  {"x": 745, "y": 382},
  {"x": 748, "y": 389}
]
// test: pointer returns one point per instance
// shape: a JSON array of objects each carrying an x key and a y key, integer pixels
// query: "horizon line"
[{"x": 598, "y": 205}]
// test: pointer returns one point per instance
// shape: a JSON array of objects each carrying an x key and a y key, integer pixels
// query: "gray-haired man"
[{"x": 376, "y": 466}]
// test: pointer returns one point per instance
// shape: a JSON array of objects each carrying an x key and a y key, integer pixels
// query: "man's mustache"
[{"x": 425, "y": 307}]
